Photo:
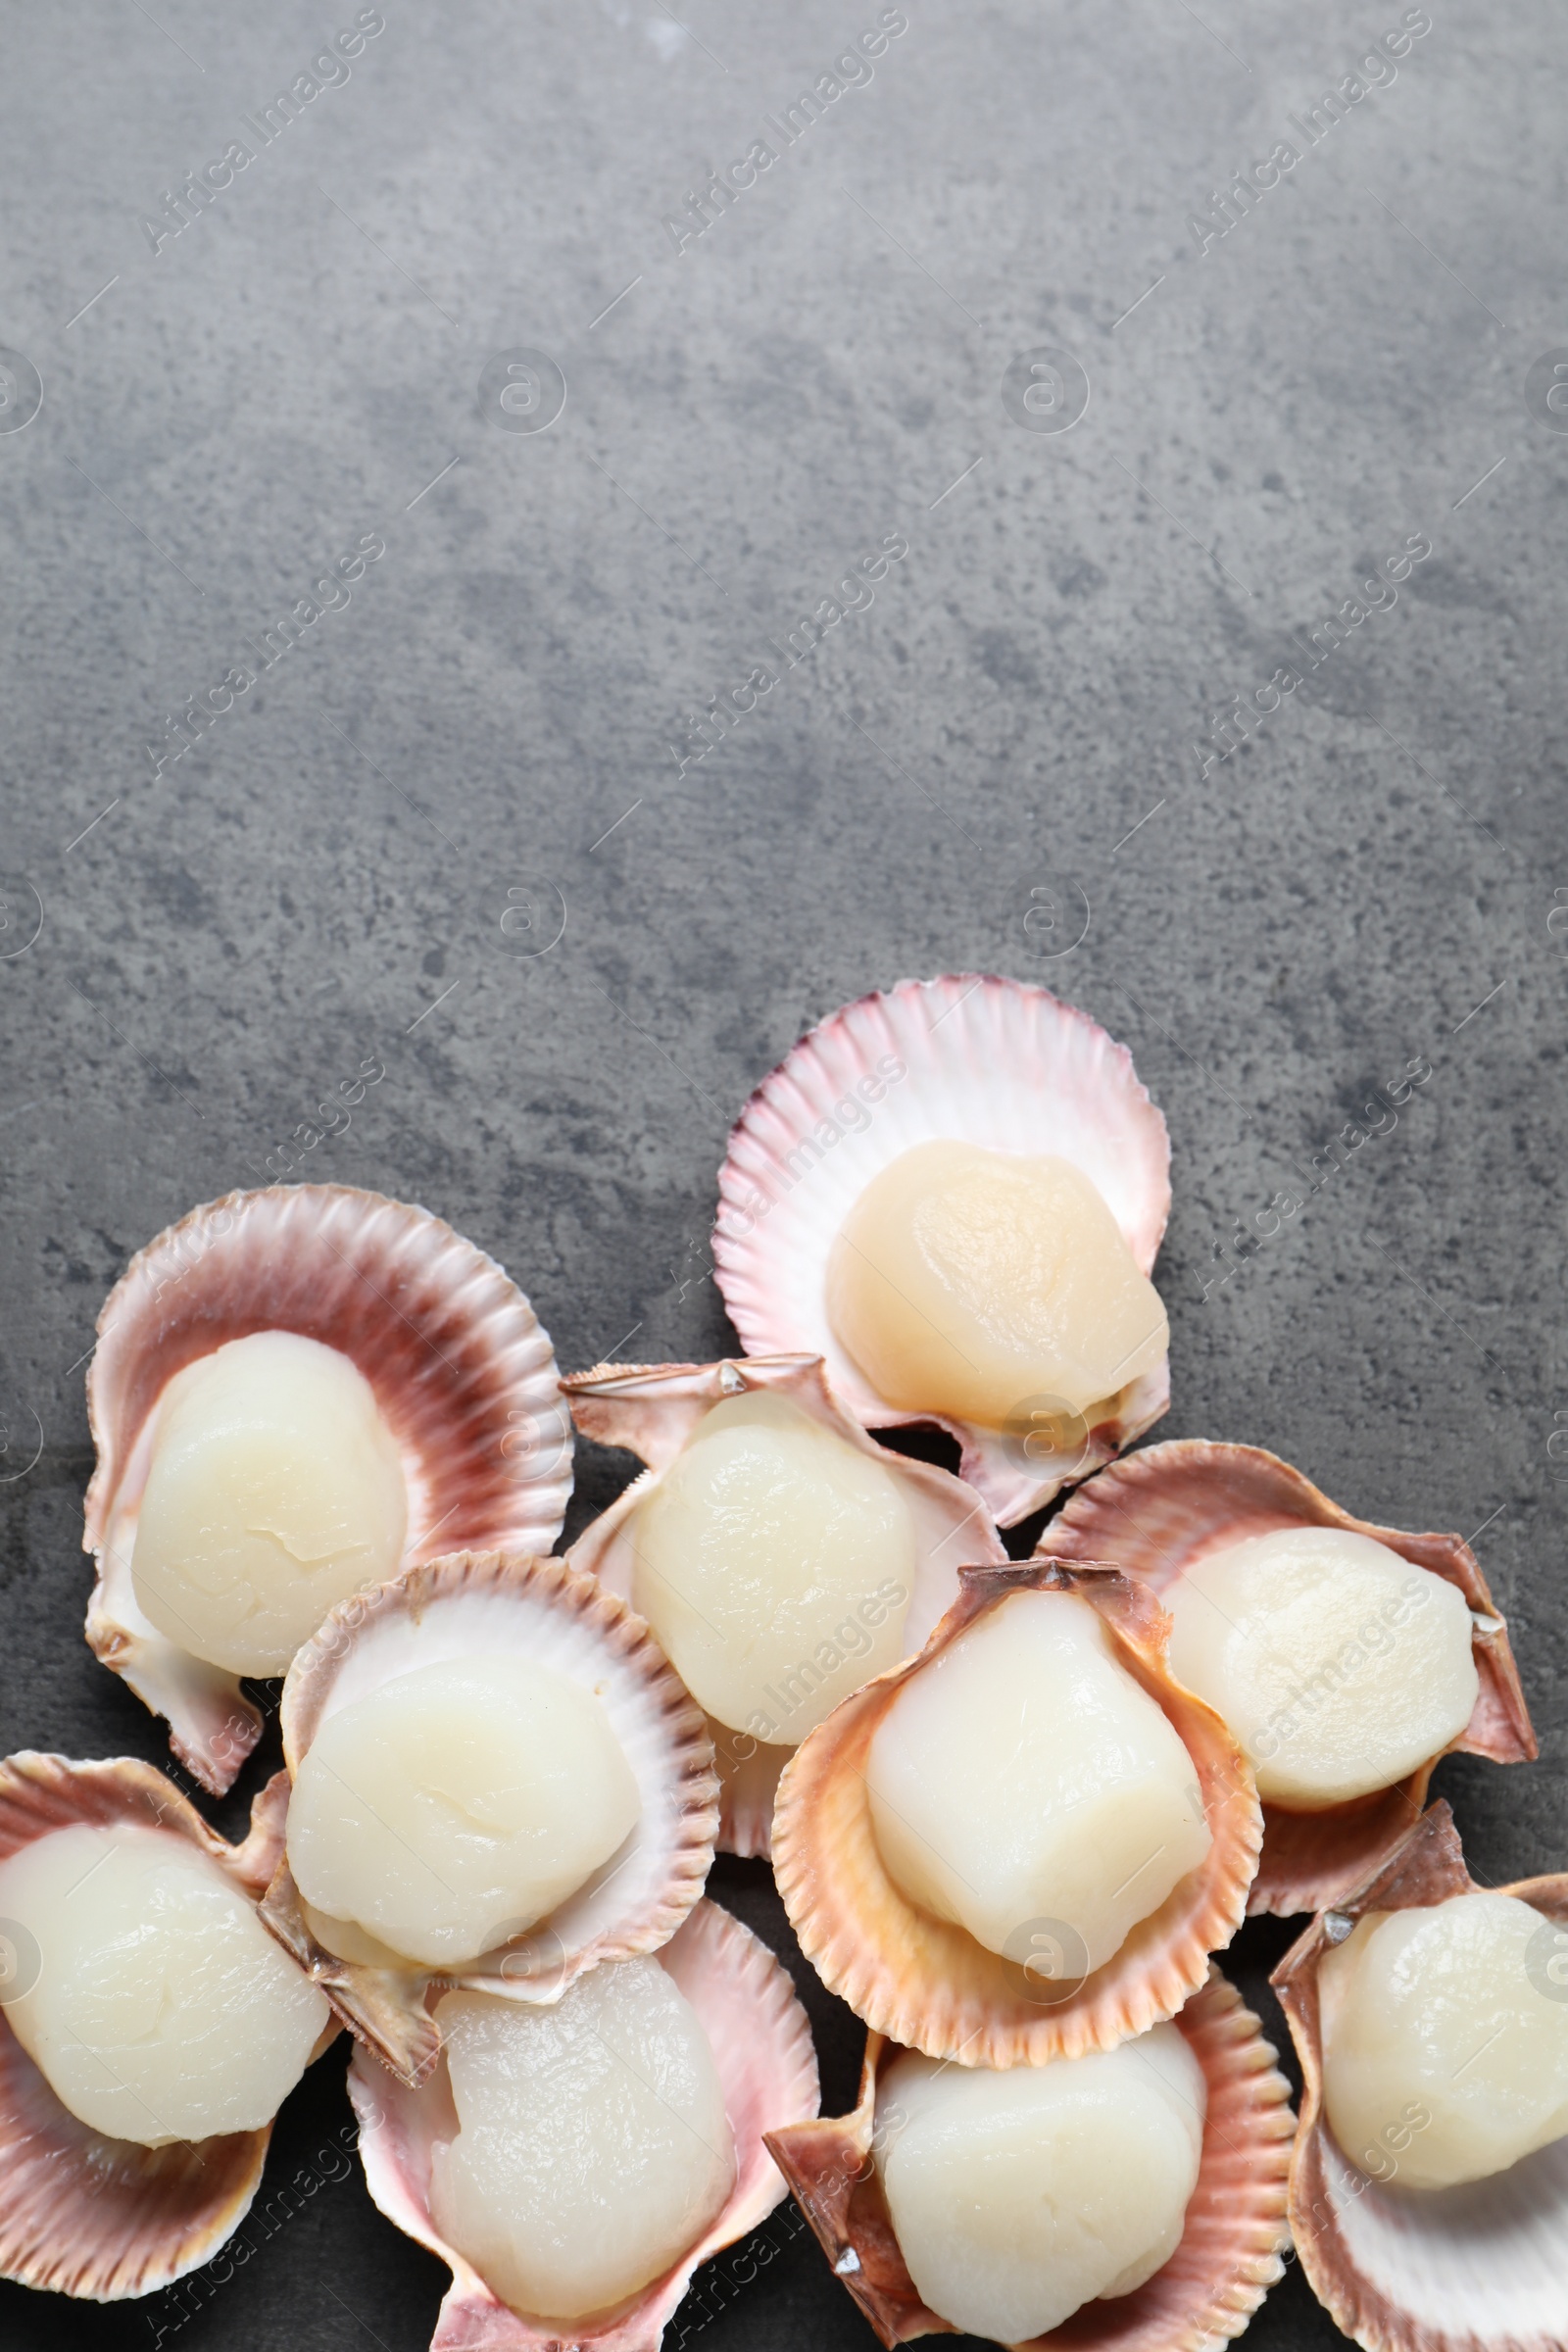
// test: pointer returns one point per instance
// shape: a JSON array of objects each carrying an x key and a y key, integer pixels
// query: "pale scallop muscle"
[
  {"x": 593, "y": 2149},
  {"x": 1339, "y": 1666},
  {"x": 774, "y": 1563},
  {"x": 1028, "y": 1787},
  {"x": 982, "y": 1284},
  {"x": 154, "y": 2002},
  {"x": 457, "y": 1804},
  {"x": 1446, "y": 2040},
  {"x": 275, "y": 1490},
  {"x": 1016, "y": 2197}
]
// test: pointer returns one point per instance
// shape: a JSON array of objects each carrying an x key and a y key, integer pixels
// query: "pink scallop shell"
[
  {"x": 1476, "y": 2268},
  {"x": 477, "y": 1604},
  {"x": 1159, "y": 1511},
  {"x": 1232, "y": 2243},
  {"x": 761, "y": 2044},
  {"x": 987, "y": 1060},
  {"x": 80, "y": 2213},
  {"x": 650, "y": 1410},
  {"x": 923, "y": 1980},
  {"x": 453, "y": 1352}
]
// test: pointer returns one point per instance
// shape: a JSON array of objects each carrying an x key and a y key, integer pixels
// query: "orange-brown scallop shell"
[
  {"x": 1232, "y": 2243},
  {"x": 925, "y": 1981}
]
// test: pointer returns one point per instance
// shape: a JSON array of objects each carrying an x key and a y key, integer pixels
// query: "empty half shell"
[
  {"x": 485, "y": 1606},
  {"x": 761, "y": 2046},
  {"x": 1232, "y": 2241},
  {"x": 1163, "y": 1511},
  {"x": 928, "y": 1981},
  {"x": 463, "y": 1378},
  {"x": 1478, "y": 2267},
  {"x": 968, "y": 1060},
  {"x": 80, "y": 2212},
  {"x": 653, "y": 1410}
]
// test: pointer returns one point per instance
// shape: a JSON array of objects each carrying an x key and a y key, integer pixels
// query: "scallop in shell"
[
  {"x": 761, "y": 2047},
  {"x": 1040, "y": 1991},
  {"x": 479, "y": 1609},
  {"x": 1233, "y": 2236},
  {"x": 1163, "y": 1511},
  {"x": 80, "y": 2212},
  {"x": 1477, "y": 2268},
  {"x": 1010, "y": 1071},
  {"x": 462, "y": 1383},
  {"x": 654, "y": 1411}
]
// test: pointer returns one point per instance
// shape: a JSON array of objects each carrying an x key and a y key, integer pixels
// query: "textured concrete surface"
[{"x": 370, "y": 853}]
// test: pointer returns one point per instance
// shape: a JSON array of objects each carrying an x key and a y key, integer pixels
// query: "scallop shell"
[
  {"x": 79, "y": 2212},
  {"x": 1161, "y": 1510},
  {"x": 985, "y": 1060},
  {"x": 926, "y": 1983},
  {"x": 1232, "y": 2244},
  {"x": 652, "y": 1410},
  {"x": 1475, "y": 2269},
  {"x": 487, "y": 1604},
  {"x": 761, "y": 2044},
  {"x": 459, "y": 1366}
]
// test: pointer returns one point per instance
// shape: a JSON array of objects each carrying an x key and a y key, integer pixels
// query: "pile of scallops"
[{"x": 1014, "y": 1808}]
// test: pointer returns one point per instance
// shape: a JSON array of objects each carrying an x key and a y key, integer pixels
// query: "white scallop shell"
[{"x": 985, "y": 1060}]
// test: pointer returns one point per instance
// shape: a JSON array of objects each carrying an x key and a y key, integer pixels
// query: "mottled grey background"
[{"x": 485, "y": 731}]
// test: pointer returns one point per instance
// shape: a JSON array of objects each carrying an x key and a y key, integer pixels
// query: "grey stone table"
[{"x": 427, "y": 647}]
